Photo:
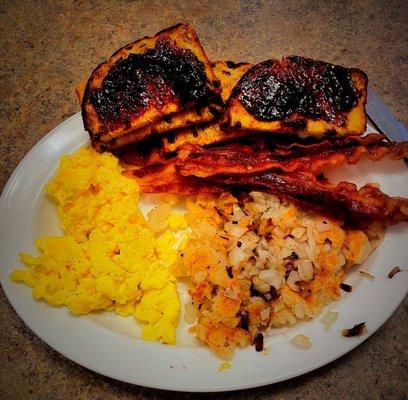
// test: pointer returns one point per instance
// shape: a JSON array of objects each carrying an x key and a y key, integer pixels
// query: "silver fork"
[{"x": 382, "y": 118}]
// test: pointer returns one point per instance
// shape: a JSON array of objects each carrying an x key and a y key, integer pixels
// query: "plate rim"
[{"x": 100, "y": 370}]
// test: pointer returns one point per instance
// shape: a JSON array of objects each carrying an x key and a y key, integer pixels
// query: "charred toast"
[
  {"x": 228, "y": 73},
  {"x": 153, "y": 85},
  {"x": 300, "y": 96}
]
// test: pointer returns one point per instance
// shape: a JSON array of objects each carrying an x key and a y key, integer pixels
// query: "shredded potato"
[
  {"x": 301, "y": 342},
  {"x": 260, "y": 262}
]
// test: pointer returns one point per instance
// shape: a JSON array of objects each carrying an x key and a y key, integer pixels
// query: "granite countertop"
[{"x": 48, "y": 46}]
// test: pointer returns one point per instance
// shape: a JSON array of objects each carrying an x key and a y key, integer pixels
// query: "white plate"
[{"x": 109, "y": 344}]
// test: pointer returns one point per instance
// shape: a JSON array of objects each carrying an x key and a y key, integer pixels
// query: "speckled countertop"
[{"x": 48, "y": 46}]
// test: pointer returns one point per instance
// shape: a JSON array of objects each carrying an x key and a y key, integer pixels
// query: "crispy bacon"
[
  {"x": 238, "y": 158},
  {"x": 256, "y": 166},
  {"x": 165, "y": 179},
  {"x": 367, "y": 203},
  {"x": 362, "y": 205},
  {"x": 307, "y": 145},
  {"x": 143, "y": 153}
]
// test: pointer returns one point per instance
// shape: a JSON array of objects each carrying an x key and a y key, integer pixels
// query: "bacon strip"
[
  {"x": 366, "y": 203},
  {"x": 308, "y": 144},
  {"x": 165, "y": 179},
  {"x": 250, "y": 167},
  {"x": 146, "y": 152},
  {"x": 236, "y": 158}
]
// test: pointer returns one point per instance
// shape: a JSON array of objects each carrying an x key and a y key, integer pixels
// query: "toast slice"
[
  {"x": 153, "y": 85},
  {"x": 300, "y": 96},
  {"x": 228, "y": 73},
  {"x": 177, "y": 121}
]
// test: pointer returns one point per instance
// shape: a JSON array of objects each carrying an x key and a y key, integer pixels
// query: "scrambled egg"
[
  {"x": 109, "y": 258},
  {"x": 224, "y": 366}
]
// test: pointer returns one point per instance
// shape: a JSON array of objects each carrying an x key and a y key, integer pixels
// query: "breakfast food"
[
  {"x": 166, "y": 179},
  {"x": 110, "y": 257},
  {"x": 228, "y": 73},
  {"x": 153, "y": 85},
  {"x": 266, "y": 240},
  {"x": 261, "y": 155},
  {"x": 368, "y": 202},
  {"x": 299, "y": 96},
  {"x": 297, "y": 179},
  {"x": 257, "y": 262},
  {"x": 365, "y": 204}
]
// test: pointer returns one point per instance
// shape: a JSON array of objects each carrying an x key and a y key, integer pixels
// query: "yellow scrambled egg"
[
  {"x": 224, "y": 366},
  {"x": 109, "y": 258}
]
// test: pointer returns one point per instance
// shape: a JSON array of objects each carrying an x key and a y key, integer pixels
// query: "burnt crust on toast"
[
  {"x": 228, "y": 73},
  {"x": 298, "y": 95},
  {"x": 179, "y": 121},
  {"x": 145, "y": 82}
]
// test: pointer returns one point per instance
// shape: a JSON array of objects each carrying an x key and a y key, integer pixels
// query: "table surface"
[{"x": 48, "y": 47}]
